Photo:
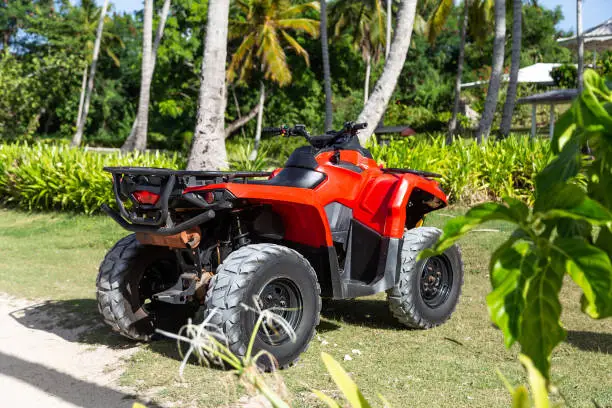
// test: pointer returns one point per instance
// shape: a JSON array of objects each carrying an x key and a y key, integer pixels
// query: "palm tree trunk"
[
  {"x": 580, "y": 43},
  {"x": 366, "y": 86},
  {"x": 388, "y": 39},
  {"x": 133, "y": 141},
  {"x": 452, "y": 125},
  {"x": 82, "y": 98},
  {"x": 139, "y": 139},
  {"x": 374, "y": 109},
  {"x": 326, "y": 70},
  {"x": 517, "y": 29},
  {"x": 78, "y": 136},
  {"x": 262, "y": 100},
  {"x": 208, "y": 147},
  {"x": 496, "y": 72}
]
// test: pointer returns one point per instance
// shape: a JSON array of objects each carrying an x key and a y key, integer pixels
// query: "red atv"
[{"x": 331, "y": 224}]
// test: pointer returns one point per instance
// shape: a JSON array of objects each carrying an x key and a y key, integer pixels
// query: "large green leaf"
[
  {"x": 459, "y": 226},
  {"x": 571, "y": 201},
  {"x": 591, "y": 269},
  {"x": 511, "y": 267},
  {"x": 604, "y": 240},
  {"x": 563, "y": 168},
  {"x": 541, "y": 329},
  {"x": 565, "y": 127}
]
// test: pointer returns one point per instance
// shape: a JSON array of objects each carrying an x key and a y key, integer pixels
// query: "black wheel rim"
[
  {"x": 436, "y": 281},
  {"x": 284, "y": 298}
]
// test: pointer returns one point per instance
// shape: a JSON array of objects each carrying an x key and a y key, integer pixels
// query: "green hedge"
[
  {"x": 471, "y": 172},
  {"x": 47, "y": 177},
  {"x": 44, "y": 177}
]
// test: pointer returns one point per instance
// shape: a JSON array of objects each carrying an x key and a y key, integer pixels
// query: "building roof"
[
  {"x": 550, "y": 97},
  {"x": 533, "y": 74},
  {"x": 598, "y": 38},
  {"x": 404, "y": 130}
]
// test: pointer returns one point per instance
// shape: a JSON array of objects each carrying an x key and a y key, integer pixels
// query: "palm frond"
[
  {"x": 299, "y": 50},
  {"x": 299, "y": 9},
  {"x": 114, "y": 57},
  {"x": 238, "y": 29},
  {"x": 438, "y": 19},
  {"x": 420, "y": 25},
  {"x": 310, "y": 26},
  {"x": 247, "y": 65},
  {"x": 273, "y": 57},
  {"x": 238, "y": 57}
]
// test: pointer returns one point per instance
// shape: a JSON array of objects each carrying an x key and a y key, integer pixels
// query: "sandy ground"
[{"x": 42, "y": 364}]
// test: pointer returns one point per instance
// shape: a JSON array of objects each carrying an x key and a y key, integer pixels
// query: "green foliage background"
[{"x": 50, "y": 45}]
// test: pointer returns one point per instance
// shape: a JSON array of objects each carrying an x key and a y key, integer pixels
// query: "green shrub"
[
  {"x": 55, "y": 177},
  {"x": 565, "y": 76},
  {"x": 47, "y": 177},
  {"x": 472, "y": 172}
]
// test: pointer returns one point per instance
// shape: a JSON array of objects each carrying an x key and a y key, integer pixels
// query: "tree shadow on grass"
[
  {"x": 74, "y": 320},
  {"x": 590, "y": 341},
  {"x": 372, "y": 313},
  {"x": 64, "y": 386}
]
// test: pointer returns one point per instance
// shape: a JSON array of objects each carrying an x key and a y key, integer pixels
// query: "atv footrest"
[{"x": 181, "y": 292}]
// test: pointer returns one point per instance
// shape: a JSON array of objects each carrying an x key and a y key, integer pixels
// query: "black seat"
[
  {"x": 294, "y": 177},
  {"x": 303, "y": 157}
]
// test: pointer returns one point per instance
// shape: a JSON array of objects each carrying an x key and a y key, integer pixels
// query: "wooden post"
[
  {"x": 533, "y": 120},
  {"x": 552, "y": 121}
]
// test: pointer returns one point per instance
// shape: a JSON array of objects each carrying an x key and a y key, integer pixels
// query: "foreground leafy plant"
[
  {"x": 349, "y": 389},
  {"x": 207, "y": 343},
  {"x": 568, "y": 230}
]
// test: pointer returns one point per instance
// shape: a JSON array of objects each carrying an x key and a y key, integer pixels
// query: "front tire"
[
  {"x": 428, "y": 290},
  {"x": 129, "y": 276},
  {"x": 278, "y": 277}
]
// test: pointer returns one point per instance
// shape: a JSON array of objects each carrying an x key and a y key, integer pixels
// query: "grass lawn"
[{"x": 55, "y": 257}]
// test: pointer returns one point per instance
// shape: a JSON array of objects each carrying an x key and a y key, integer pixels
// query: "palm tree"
[
  {"x": 326, "y": 70},
  {"x": 263, "y": 27},
  {"x": 78, "y": 136},
  {"x": 208, "y": 146},
  {"x": 81, "y": 23},
  {"x": 146, "y": 75},
  {"x": 452, "y": 124},
  {"x": 580, "y": 41},
  {"x": 377, "y": 104},
  {"x": 137, "y": 138},
  {"x": 497, "y": 66},
  {"x": 364, "y": 22},
  {"x": 476, "y": 20},
  {"x": 506, "y": 122}
]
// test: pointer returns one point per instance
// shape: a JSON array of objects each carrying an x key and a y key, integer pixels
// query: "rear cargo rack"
[
  {"x": 172, "y": 180},
  {"x": 156, "y": 171}
]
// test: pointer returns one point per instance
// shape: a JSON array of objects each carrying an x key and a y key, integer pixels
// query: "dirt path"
[{"x": 43, "y": 364}]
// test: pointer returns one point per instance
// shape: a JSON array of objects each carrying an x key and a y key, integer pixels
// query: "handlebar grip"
[
  {"x": 359, "y": 126},
  {"x": 272, "y": 130}
]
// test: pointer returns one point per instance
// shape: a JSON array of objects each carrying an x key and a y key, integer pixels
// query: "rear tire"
[
  {"x": 271, "y": 273},
  {"x": 428, "y": 290},
  {"x": 129, "y": 275}
]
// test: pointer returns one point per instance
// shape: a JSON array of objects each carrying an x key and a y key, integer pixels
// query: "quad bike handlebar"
[{"x": 349, "y": 130}]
